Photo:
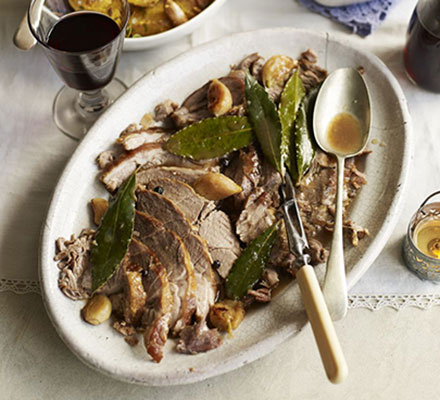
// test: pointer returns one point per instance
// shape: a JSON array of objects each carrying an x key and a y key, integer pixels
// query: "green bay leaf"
[
  {"x": 263, "y": 115},
  {"x": 211, "y": 137},
  {"x": 249, "y": 267},
  {"x": 291, "y": 98},
  {"x": 113, "y": 235},
  {"x": 305, "y": 147}
]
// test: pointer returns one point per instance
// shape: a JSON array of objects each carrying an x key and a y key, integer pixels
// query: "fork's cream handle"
[
  {"x": 322, "y": 325},
  {"x": 23, "y": 38}
]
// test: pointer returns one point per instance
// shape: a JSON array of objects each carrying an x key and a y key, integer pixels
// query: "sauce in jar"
[
  {"x": 344, "y": 134},
  {"x": 427, "y": 237}
]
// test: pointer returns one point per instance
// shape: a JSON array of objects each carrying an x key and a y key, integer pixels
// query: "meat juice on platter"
[
  {"x": 422, "y": 50},
  {"x": 86, "y": 60}
]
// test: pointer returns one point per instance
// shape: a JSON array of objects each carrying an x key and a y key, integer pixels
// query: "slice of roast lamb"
[
  {"x": 173, "y": 219},
  {"x": 169, "y": 249},
  {"x": 245, "y": 170},
  {"x": 73, "y": 257},
  {"x": 182, "y": 195},
  {"x": 156, "y": 316},
  {"x": 195, "y": 107},
  {"x": 258, "y": 215},
  {"x": 316, "y": 196},
  {"x": 198, "y": 338},
  {"x": 135, "y": 138},
  {"x": 135, "y": 296},
  {"x": 186, "y": 175},
  {"x": 148, "y": 155},
  {"x": 215, "y": 227}
]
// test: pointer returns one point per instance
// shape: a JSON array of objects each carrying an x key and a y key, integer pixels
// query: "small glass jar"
[{"x": 421, "y": 246}]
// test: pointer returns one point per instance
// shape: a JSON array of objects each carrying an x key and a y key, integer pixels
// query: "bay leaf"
[
  {"x": 263, "y": 115},
  {"x": 305, "y": 147},
  {"x": 211, "y": 138},
  {"x": 114, "y": 234},
  {"x": 249, "y": 267},
  {"x": 291, "y": 98}
]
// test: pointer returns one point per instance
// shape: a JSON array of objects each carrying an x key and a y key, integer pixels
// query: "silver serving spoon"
[{"x": 343, "y": 102}]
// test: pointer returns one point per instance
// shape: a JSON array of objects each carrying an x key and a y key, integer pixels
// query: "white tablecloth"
[
  {"x": 33, "y": 152},
  {"x": 390, "y": 355}
]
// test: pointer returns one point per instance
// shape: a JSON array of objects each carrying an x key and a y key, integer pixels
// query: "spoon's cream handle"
[
  {"x": 335, "y": 283},
  {"x": 322, "y": 325}
]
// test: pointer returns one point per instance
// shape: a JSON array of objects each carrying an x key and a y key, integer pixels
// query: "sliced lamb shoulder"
[
  {"x": 136, "y": 138},
  {"x": 169, "y": 249},
  {"x": 215, "y": 227},
  {"x": 148, "y": 155},
  {"x": 186, "y": 175},
  {"x": 316, "y": 196},
  {"x": 156, "y": 313},
  {"x": 135, "y": 296},
  {"x": 173, "y": 219},
  {"x": 198, "y": 338},
  {"x": 253, "y": 64},
  {"x": 245, "y": 170},
  {"x": 182, "y": 195},
  {"x": 156, "y": 317},
  {"x": 258, "y": 215},
  {"x": 195, "y": 106},
  {"x": 73, "y": 257}
]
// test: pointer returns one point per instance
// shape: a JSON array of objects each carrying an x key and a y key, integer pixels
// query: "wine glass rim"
[{"x": 36, "y": 36}]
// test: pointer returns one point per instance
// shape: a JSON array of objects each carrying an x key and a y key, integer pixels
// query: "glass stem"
[{"x": 91, "y": 103}]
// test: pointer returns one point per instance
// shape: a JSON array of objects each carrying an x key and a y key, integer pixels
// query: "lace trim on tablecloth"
[
  {"x": 371, "y": 302},
  {"x": 396, "y": 301},
  {"x": 19, "y": 286}
]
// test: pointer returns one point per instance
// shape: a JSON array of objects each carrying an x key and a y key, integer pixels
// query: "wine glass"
[{"x": 83, "y": 45}]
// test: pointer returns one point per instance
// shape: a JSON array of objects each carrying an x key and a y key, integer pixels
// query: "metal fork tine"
[{"x": 296, "y": 235}]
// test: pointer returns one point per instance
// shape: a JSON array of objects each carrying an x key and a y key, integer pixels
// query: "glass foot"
[{"x": 74, "y": 121}]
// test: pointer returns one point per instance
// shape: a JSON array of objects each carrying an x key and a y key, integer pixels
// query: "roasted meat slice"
[
  {"x": 148, "y": 155},
  {"x": 135, "y": 296},
  {"x": 316, "y": 196},
  {"x": 158, "y": 300},
  {"x": 253, "y": 63},
  {"x": 215, "y": 227},
  {"x": 158, "y": 312},
  {"x": 195, "y": 107},
  {"x": 182, "y": 195},
  {"x": 173, "y": 219},
  {"x": 258, "y": 214},
  {"x": 198, "y": 338},
  {"x": 135, "y": 138},
  {"x": 169, "y": 249},
  {"x": 245, "y": 170},
  {"x": 73, "y": 257},
  {"x": 311, "y": 74},
  {"x": 186, "y": 175}
]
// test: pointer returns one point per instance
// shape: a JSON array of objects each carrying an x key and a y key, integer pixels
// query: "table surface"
[{"x": 391, "y": 354}]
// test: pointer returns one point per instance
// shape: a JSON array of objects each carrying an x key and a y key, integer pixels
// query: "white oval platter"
[{"x": 377, "y": 206}]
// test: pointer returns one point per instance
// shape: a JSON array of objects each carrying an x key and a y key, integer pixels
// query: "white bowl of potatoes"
[{"x": 156, "y": 22}]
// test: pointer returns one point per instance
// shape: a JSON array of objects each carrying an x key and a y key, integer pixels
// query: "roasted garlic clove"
[
  {"x": 97, "y": 310},
  {"x": 216, "y": 186},
  {"x": 227, "y": 315},
  {"x": 277, "y": 70},
  {"x": 175, "y": 13},
  {"x": 219, "y": 98},
  {"x": 99, "y": 207}
]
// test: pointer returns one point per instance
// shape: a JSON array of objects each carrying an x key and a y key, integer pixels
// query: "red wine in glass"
[
  {"x": 83, "y": 48},
  {"x": 81, "y": 62},
  {"x": 422, "y": 50}
]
